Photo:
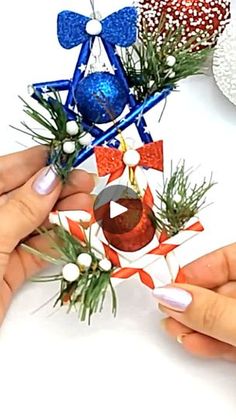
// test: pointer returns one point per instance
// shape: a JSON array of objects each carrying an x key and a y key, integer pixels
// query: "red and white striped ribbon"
[{"x": 167, "y": 248}]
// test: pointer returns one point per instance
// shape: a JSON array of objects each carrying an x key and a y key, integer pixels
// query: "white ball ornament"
[
  {"x": 224, "y": 62},
  {"x": 72, "y": 128},
  {"x": 105, "y": 265},
  {"x": 131, "y": 158},
  {"x": 84, "y": 260},
  {"x": 170, "y": 60},
  {"x": 85, "y": 141},
  {"x": 69, "y": 147},
  {"x": 94, "y": 27},
  {"x": 71, "y": 272}
]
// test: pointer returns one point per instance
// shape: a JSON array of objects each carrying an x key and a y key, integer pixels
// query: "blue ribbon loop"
[{"x": 120, "y": 28}]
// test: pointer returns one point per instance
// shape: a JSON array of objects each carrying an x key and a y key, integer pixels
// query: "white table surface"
[{"x": 55, "y": 367}]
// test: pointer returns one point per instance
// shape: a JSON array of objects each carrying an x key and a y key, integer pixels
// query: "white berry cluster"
[
  {"x": 171, "y": 61},
  {"x": 72, "y": 271},
  {"x": 72, "y": 129}
]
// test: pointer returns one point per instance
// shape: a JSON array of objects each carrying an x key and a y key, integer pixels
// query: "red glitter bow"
[{"x": 110, "y": 160}]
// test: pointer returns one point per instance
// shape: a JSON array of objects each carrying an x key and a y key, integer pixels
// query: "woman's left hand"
[{"x": 28, "y": 192}]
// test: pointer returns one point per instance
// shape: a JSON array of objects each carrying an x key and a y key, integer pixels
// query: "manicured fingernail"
[
  {"x": 173, "y": 298},
  {"x": 95, "y": 179},
  {"x": 46, "y": 181},
  {"x": 180, "y": 338}
]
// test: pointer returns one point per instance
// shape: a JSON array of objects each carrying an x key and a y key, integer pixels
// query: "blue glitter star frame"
[{"x": 118, "y": 29}]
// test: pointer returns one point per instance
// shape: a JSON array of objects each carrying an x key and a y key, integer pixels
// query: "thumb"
[
  {"x": 27, "y": 208},
  {"x": 200, "y": 309}
]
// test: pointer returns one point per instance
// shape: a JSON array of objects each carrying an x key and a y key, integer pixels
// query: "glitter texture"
[
  {"x": 224, "y": 63},
  {"x": 120, "y": 28},
  {"x": 100, "y": 97},
  {"x": 202, "y": 19}
]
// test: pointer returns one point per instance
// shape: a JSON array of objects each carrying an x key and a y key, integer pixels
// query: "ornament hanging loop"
[{"x": 93, "y": 9}]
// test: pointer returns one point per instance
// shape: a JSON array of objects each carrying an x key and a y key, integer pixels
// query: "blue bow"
[{"x": 120, "y": 28}]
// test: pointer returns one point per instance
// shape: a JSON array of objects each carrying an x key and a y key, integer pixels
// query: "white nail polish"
[{"x": 174, "y": 298}]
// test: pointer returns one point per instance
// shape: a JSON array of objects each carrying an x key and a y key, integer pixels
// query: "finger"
[
  {"x": 79, "y": 201},
  {"x": 229, "y": 289},
  {"x": 78, "y": 181},
  {"x": 23, "y": 265},
  {"x": 25, "y": 163},
  {"x": 27, "y": 210},
  {"x": 207, "y": 347},
  {"x": 196, "y": 343},
  {"x": 5, "y": 299},
  {"x": 174, "y": 328},
  {"x": 214, "y": 269},
  {"x": 200, "y": 309}
]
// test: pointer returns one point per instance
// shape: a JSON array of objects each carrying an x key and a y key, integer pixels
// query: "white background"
[{"x": 55, "y": 367}]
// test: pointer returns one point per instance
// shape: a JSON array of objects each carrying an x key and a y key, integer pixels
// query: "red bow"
[{"x": 110, "y": 160}]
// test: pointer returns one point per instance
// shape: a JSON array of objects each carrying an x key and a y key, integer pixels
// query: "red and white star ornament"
[
  {"x": 204, "y": 20},
  {"x": 156, "y": 264}
]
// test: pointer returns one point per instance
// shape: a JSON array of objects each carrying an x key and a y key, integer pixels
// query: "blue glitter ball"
[{"x": 100, "y": 97}]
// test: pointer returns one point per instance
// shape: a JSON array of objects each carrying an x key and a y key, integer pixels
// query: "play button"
[{"x": 116, "y": 209}]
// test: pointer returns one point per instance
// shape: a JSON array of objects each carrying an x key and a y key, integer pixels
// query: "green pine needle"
[
  {"x": 56, "y": 135},
  {"x": 146, "y": 61},
  {"x": 88, "y": 293},
  {"x": 180, "y": 201}
]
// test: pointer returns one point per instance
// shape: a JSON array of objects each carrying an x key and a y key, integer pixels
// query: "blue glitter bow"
[{"x": 120, "y": 28}]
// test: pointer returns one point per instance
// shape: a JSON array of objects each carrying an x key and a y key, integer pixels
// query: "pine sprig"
[
  {"x": 180, "y": 201},
  {"x": 147, "y": 64},
  {"x": 56, "y": 135},
  {"x": 87, "y": 294}
]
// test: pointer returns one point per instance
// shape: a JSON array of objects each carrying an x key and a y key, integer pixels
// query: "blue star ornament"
[{"x": 120, "y": 28}]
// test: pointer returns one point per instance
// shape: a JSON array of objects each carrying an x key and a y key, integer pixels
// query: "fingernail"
[
  {"x": 180, "y": 338},
  {"x": 95, "y": 179},
  {"x": 173, "y": 298},
  {"x": 46, "y": 182}
]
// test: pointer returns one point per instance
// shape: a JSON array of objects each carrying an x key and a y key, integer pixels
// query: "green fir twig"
[
  {"x": 146, "y": 62},
  {"x": 54, "y": 124},
  {"x": 180, "y": 201},
  {"x": 87, "y": 294}
]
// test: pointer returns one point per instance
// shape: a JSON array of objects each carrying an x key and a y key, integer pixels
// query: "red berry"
[
  {"x": 201, "y": 19},
  {"x": 132, "y": 230}
]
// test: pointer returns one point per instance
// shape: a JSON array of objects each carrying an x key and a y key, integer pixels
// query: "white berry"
[
  {"x": 71, "y": 272},
  {"x": 94, "y": 27},
  {"x": 131, "y": 158},
  {"x": 86, "y": 140},
  {"x": 84, "y": 260},
  {"x": 177, "y": 198},
  {"x": 72, "y": 128},
  {"x": 170, "y": 60},
  {"x": 69, "y": 147},
  {"x": 171, "y": 75},
  {"x": 105, "y": 265}
]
